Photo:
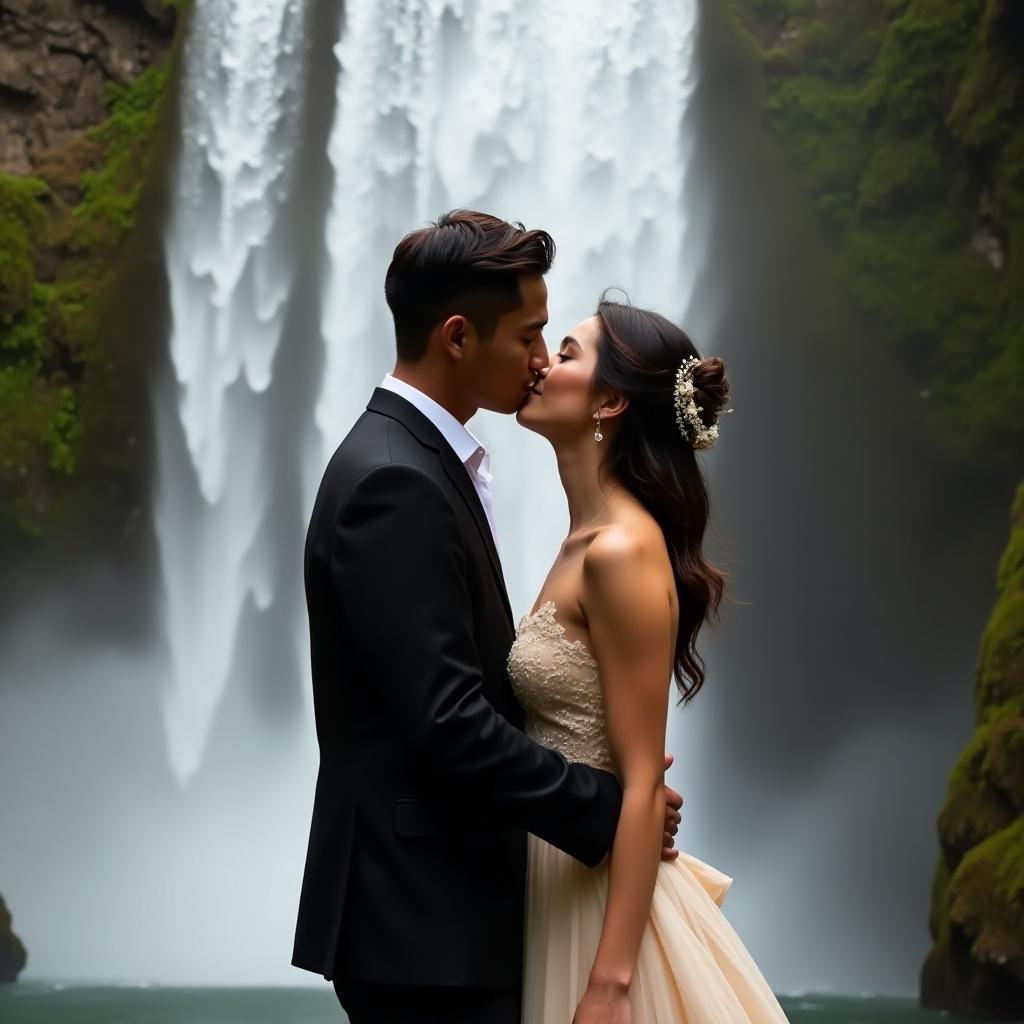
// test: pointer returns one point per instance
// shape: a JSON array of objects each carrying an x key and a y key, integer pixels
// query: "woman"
[{"x": 625, "y": 405}]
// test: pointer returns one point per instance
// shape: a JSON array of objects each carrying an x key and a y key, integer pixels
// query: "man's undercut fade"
[{"x": 467, "y": 264}]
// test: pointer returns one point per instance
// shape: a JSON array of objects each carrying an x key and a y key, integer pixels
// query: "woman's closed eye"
[{"x": 562, "y": 357}]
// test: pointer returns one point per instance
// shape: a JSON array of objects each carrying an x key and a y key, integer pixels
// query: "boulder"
[{"x": 12, "y": 952}]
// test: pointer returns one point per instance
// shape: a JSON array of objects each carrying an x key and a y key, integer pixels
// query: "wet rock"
[
  {"x": 55, "y": 60},
  {"x": 987, "y": 244},
  {"x": 976, "y": 966},
  {"x": 12, "y": 952}
]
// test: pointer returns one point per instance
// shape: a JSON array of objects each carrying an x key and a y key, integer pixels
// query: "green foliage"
[
  {"x": 38, "y": 372},
  {"x": 21, "y": 220},
  {"x": 978, "y": 889},
  {"x": 1011, "y": 566},
  {"x": 988, "y": 101},
  {"x": 1000, "y": 676},
  {"x": 987, "y": 898},
  {"x": 110, "y": 193},
  {"x": 54, "y": 359},
  {"x": 903, "y": 121}
]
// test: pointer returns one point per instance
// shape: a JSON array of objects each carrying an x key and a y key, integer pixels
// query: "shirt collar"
[{"x": 459, "y": 439}]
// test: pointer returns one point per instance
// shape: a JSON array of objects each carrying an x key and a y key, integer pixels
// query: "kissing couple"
[{"x": 492, "y": 837}]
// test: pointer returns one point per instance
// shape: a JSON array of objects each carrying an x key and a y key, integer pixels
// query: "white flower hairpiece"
[{"x": 691, "y": 426}]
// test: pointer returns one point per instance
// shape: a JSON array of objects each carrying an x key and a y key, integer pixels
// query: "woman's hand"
[{"x": 604, "y": 1003}]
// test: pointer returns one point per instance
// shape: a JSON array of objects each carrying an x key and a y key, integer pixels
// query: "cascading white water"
[
  {"x": 568, "y": 116},
  {"x": 576, "y": 117},
  {"x": 228, "y": 288}
]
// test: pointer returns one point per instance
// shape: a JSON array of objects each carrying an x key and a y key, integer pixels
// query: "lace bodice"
[{"x": 556, "y": 681}]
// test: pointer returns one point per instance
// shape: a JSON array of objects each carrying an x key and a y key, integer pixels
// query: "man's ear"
[{"x": 457, "y": 334}]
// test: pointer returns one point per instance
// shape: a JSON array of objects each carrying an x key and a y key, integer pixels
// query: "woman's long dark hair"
[{"x": 638, "y": 358}]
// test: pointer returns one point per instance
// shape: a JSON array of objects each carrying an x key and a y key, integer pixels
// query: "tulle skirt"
[{"x": 692, "y": 967}]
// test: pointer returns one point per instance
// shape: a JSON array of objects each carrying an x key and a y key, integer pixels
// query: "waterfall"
[
  {"x": 228, "y": 288},
  {"x": 568, "y": 116},
  {"x": 814, "y": 762}
]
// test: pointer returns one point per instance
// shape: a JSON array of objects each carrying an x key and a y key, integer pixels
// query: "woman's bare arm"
[{"x": 630, "y": 618}]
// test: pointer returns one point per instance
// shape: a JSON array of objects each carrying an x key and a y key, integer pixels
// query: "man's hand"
[{"x": 673, "y": 803}]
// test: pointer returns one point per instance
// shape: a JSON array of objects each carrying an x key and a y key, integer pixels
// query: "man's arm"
[{"x": 398, "y": 566}]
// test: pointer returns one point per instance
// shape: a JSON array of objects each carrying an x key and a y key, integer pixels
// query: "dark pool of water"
[{"x": 39, "y": 1003}]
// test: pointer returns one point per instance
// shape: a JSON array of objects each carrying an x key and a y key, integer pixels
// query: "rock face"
[
  {"x": 83, "y": 89},
  {"x": 12, "y": 952},
  {"x": 56, "y": 57},
  {"x": 976, "y": 966}
]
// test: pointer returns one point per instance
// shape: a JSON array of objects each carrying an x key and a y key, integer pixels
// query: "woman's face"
[{"x": 561, "y": 405}]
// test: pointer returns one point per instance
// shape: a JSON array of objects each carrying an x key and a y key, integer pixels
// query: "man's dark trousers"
[{"x": 386, "y": 1004}]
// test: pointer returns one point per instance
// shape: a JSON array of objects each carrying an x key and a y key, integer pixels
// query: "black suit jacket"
[{"x": 416, "y": 863}]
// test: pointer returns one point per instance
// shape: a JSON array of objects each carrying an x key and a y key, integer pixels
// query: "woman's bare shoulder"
[
  {"x": 634, "y": 536},
  {"x": 629, "y": 550}
]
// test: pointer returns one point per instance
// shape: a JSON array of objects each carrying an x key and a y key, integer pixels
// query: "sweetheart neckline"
[{"x": 579, "y": 645}]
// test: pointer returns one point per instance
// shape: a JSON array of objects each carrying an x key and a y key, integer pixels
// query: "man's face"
[{"x": 503, "y": 367}]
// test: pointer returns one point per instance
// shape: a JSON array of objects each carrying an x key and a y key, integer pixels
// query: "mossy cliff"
[
  {"x": 977, "y": 920},
  {"x": 902, "y": 122},
  {"x": 12, "y": 952},
  {"x": 82, "y": 94}
]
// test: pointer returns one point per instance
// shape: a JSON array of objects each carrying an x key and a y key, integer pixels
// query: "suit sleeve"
[{"x": 399, "y": 569}]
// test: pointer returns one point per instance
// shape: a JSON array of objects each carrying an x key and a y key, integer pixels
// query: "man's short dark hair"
[{"x": 466, "y": 263}]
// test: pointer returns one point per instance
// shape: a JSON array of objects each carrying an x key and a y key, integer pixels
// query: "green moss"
[
  {"x": 1010, "y": 574},
  {"x": 897, "y": 173},
  {"x": 39, "y": 429},
  {"x": 22, "y": 218},
  {"x": 903, "y": 124},
  {"x": 54, "y": 358},
  {"x": 821, "y": 118},
  {"x": 976, "y": 964},
  {"x": 110, "y": 193},
  {"x": 988, "y": 99},
  {"x": 987, "y": 899},
  {"x": 1000, "y": 675},
  {"x": 971, "y": 813},
  {"x": 903, "y": 121},
  {"x": 1003, "y": 765}
]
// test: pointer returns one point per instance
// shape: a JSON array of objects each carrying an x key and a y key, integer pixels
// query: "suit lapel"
[{"x": 396, "y": 407}]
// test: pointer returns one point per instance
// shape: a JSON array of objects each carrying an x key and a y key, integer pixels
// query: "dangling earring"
[{"x": 598, "y": 436}]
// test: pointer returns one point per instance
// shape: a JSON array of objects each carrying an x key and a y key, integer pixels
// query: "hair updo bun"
[{"x": 711, "y": 388}]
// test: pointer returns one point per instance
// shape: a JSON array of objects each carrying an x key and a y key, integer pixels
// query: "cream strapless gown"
[{"x": 692, "y": 967}]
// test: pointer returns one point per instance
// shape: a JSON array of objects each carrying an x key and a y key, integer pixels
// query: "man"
[{"x": 412, "y": 899}]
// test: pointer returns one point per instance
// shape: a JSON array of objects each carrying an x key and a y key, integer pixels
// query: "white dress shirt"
[{"x": 468, "y": 450}]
